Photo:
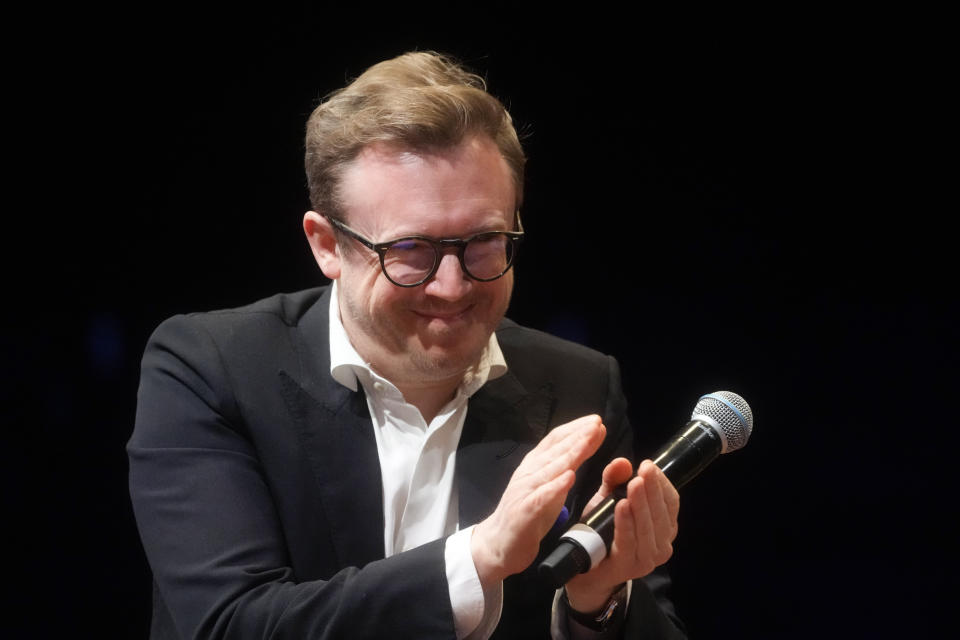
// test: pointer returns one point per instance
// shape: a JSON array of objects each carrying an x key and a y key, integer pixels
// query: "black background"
[{"x": 743, "y": 201}]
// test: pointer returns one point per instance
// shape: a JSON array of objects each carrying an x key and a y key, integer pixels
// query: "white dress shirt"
[{"x": 417, "y": 464}]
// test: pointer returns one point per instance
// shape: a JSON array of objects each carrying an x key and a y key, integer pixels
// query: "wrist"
[
  {"x": 601, "y": 618},
  {"x": 484, "y": 560},
  {"x": 588, "y": 599}
]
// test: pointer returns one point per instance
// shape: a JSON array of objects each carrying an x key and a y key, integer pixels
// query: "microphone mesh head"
[{"x": 729, "y": 414}]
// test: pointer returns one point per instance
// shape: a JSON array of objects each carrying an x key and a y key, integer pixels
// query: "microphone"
[{"x": 721, "y": 422}]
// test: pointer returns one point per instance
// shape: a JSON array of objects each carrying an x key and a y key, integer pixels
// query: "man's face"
[{"x": 432, "y": 332}]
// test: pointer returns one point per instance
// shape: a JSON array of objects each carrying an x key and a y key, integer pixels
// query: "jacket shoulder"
[
  {"x": 288, "y": 308},
  {"x": 523, "y": 341},
  {"x": 281, "y": 311},
  {"x": 572, "y": 371}
]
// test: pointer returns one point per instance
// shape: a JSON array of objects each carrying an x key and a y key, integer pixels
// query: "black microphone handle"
[
  {"x": 680, "y": 460},
  {"x": 689, "y": 453}
]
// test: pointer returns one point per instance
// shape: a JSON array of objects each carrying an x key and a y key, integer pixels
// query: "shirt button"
[{"x": 378, "y": 386}]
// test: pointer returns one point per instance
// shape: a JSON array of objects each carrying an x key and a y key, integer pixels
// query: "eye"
[{"x": 405, "y": 245}]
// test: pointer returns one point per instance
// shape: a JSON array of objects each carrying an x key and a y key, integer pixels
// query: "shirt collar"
[{"x": 346, "y": 363}]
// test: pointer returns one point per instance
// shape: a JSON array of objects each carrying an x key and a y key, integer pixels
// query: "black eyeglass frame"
[{"x": 438, "y": 245}]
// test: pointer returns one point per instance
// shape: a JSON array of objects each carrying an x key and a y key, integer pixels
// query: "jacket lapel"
[
  {"x": 336, "y": 434},
  {"x": 504, "y": 422}
]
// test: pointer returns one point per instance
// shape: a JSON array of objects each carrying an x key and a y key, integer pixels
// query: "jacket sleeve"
[{"x": 212, "y": 533}]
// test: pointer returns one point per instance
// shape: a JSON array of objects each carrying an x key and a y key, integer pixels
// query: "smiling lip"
[{"x": 446, "y": 315}]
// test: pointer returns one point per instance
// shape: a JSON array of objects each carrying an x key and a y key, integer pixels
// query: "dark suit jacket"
[{"x": 256, "y": 484}]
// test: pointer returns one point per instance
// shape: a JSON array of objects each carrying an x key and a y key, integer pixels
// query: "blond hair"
[{"x": 421, "y": 101}]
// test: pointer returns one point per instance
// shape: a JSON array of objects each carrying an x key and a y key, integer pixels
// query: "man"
[{"x": 388, "y": 457}]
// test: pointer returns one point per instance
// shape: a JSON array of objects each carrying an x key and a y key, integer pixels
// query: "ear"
[{"x": 323, "y": 243}]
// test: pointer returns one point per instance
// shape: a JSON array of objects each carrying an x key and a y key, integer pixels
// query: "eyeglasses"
[{"x": 412, "y": 260}]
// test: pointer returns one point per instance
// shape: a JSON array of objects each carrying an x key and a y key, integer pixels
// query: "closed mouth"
[{"x": 444, "y": 314}]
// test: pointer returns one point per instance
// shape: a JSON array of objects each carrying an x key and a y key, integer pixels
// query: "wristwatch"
[{"x": 600, "y": 620}]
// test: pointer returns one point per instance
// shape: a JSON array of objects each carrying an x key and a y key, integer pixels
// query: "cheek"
[
  {"x": 386, "y": 300},
  {"x": 504, "y": 291},
  {"x": 362, "y": 281}
]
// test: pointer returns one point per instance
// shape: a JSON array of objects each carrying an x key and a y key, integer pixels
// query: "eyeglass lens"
[{"x": 411, "y": 260}]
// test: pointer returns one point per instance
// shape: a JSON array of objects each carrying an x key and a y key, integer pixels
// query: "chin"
[{"x": 440, "y": 362}]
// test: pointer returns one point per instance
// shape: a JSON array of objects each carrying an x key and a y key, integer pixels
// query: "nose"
[{"x": 449, "y": 282}]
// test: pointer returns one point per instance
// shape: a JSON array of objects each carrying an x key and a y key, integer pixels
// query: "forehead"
[{"x": 392, "y": 190}]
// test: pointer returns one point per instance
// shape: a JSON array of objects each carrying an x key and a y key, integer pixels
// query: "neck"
[{"x": 429, "y": 398}]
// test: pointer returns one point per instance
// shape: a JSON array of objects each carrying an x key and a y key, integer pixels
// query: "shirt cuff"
[{"x": 475, "y": 612}]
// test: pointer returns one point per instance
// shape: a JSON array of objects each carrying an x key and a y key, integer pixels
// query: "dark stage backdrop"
[{"x": 718, "y": 205}]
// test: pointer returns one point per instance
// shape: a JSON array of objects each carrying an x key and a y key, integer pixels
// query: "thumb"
[{"x": 616, "y": 473}]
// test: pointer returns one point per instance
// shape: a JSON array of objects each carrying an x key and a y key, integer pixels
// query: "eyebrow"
[{"x": 470, "y": 234}]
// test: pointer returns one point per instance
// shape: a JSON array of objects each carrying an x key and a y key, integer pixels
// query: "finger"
[
  {"x": 644, "y": 531},
  {"x": 663, "y": 500},
  {"x": 631, "y": 539},
  {"x": 616, "y": 473},
  {"x": 569, "y": 429},
  {"x": 624, "y": 526},
  {"x": 662, "y": 528},
  {"x": 564, "y": 439},
  {"x": 546, "y": 462},
  {"x": 672, "y": 497},
  {"x": 548, "y": 498}
]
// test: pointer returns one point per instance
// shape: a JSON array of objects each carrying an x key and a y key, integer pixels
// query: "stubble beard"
[{"x": 406, "y": 357}]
